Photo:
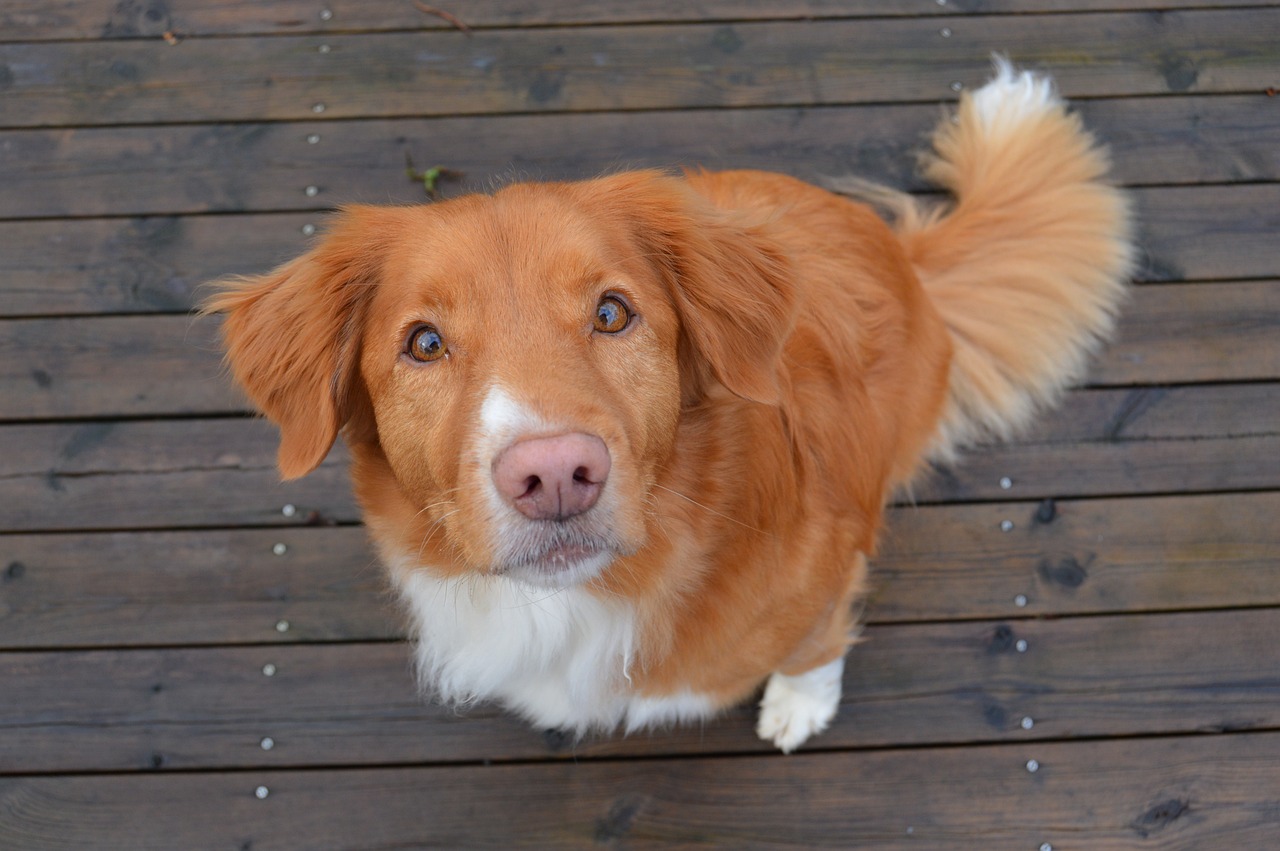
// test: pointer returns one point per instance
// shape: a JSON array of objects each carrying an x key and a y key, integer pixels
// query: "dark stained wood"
[
  {"x": 235, "y": 168},
  {"x": 112, "y": 366},
  {"x": 1077, "y": 557},
  {"x": 158, "y": 474},
  {"x": 1182, "y": 794},
  {"x": 349, "y": 704},
  {"x": 142, "y": 265},
  {"x": 159, "y": 264},
  {"x": 635, "y": 67},
  {"x": 171, "y": 364},
  {"x": 1195, "y": 332},
  {"x": 936, "y": 563},
  {"x": 34, "y": 20},
  {"x": 188, "y": 588}
]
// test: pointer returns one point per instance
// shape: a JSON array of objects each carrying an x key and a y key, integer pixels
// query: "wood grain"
[
  {"x": 247, "y": 167},
  {"x": 348, "y": 704},
  {"x": 1181, "y": 793},
  {"x": 628, "y": 68},
  {"x": 35, "y": 20}
]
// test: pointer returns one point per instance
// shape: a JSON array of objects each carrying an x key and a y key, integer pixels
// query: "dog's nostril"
[{"x": 580, "y": 476}]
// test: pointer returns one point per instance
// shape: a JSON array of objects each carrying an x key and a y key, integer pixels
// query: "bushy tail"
[{"x": 1029, "y": 264}]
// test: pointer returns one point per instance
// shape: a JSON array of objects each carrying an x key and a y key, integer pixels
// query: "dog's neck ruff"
[{"x": 560, "y": 658}]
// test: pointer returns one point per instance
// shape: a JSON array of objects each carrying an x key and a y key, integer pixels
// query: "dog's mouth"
[{"x": 557, "y": 554}]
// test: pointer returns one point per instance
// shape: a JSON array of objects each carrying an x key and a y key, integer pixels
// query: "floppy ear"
[
  {"x": 292, "y": 335},
  {"x": 729, "y": 280}
]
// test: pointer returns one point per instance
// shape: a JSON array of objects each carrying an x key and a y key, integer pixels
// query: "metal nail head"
[
  {"x": 313, "y": 138},
  {"x": 1033, "y": 766},
  {"x": 1027, "y": 723},
  {"x": 945, "y": 32},
  {"x": 957, "y": 86},
  {"x": 326, "y": 14},
  {"x": 261, "y": 792},
  {"x": 317, "y": 108},
  {"x": 279, "y": 549},
  {"x": 1045, "y": 846},
  {"x": 268, "y": 670},
  {"x": 1021, "y": 646},
  {"x": 289, "y": 510},
  {"x": 308, "y": 230},
  {"x": 282, "y": 626},
  {"x": 324, "y": 48},
  {"x": 1006, "y": 483},
  {"x": 1006, "y": 525},
  {"x": 312, "y": 191},
  {"x": 267, "y": 743}
]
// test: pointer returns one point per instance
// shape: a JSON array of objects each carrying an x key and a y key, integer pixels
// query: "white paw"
[{"x": 795, "y": 708}]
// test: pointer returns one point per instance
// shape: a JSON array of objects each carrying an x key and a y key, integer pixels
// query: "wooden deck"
[{"x": 1074, "y": 640}]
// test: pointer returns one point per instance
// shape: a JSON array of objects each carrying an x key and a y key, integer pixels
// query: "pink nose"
[{"x": 552, "y": 478}]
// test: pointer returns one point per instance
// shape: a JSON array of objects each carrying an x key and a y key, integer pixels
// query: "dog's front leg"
[{"x": 798, "y": 706}]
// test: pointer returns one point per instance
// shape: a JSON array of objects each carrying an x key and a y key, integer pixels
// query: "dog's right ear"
[{"x": 292, "y": 335}]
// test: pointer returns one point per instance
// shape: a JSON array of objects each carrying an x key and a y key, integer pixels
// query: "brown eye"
[
  {"x": 612, "y": 315},
  {"x": 426, "y": 344}
]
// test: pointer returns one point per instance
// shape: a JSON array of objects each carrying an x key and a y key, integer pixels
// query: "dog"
[{"x": 624, "y": 444}]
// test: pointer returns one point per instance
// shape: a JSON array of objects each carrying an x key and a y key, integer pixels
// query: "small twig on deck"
[
  {"x": 452, "y": 19},
  {"x": 429, "y": 177}
]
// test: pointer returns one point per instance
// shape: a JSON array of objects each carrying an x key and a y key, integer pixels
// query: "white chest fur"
[{"x": 560, "y": 658}]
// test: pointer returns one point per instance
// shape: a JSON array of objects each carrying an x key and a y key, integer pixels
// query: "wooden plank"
[
  {"x": 200, "y": 587},
  {"x": 1195, "y": 332},
  {"x": 36, "y": 20},
  {"x": 171, "y": 364},
  {"x": 634, "y": 67},
  {"x": 937, "y": 562},
  {"x": 1178, "y": 793},
  {"x": 351, "y": 704},
  {"x": 1211, "y": 233},
  {"x": 112, "y": 367},
  {"x": 236, "y": 168},
  {"x": 141, "y": 475},
  {"x": 147, "y": 475},
  {"x": 135, "y": 265},
  {"x": 157, "y": 264},
  {"x": 1111, "y": 442},
  {"x": 1076, "y": 557}
]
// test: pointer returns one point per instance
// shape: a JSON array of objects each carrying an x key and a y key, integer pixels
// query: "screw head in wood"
[
  {"x": 308, "y": 230},
  {"x": 289, "y": 510},
  {"x": 1027, "y": 723},
  {"x": 312, "y": 191},
  {"x": 267, "y": 743},
  {"x": 1005, "y": 483},
  {"x": 326, "y": 14},
  {"x": 317, "y": 108},
  {"x": 261, "y": 792},
  {"x": 282, "y": 626},
  {"x": 1020, "y": 601},
  {"x": 1006, "y": 525},
  {"x": 1021, "y": 646},
  {"x": 268, "y": 670},
  {"x": 280, "y": 549},
  {"x": 957, "y": 86},
  {"x": 945, "y": 32},
  {"x": 324, "y": 48},
  {"x": 1045, "y": 846},
  {"x": 1033, "y": 766},
  {"x": 313, "y": 138}
]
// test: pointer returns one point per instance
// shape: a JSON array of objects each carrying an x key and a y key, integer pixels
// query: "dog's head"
[{"x": 520, "y": 360}]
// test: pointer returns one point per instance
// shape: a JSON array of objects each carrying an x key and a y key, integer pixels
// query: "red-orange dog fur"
[{"x": 624, "y": 444}]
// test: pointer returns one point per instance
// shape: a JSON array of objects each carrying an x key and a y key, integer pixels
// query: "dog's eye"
[
  {"x": 612, "y": 315},
  {"x": 426, "y": 344}
]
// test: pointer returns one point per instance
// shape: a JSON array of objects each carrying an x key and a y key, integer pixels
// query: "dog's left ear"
[
  {"x": 730, "y": 282},
  {"x": 292, "y": 335}
]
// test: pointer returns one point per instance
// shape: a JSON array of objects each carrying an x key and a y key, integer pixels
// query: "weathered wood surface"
[
  {"x": 1074, "y": 557},
  {"x": 245, "y": 167},
  {"x": 626, "y": 68},
  {"x": 221, "y": 472},
  {"x": 160, "y": 264},
  {"x": 351, "y": 704},
  {"x": 172, "y": 364},
  {"x": 1181, "y": 793},
  {"x": 35, "y": 20}
]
